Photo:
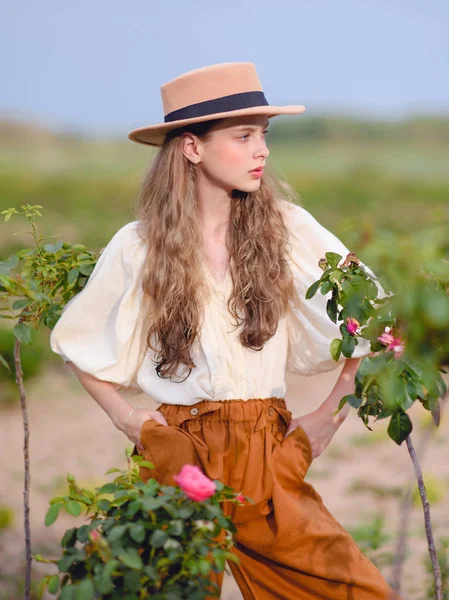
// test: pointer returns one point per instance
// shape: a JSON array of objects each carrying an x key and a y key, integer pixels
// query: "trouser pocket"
[
  {"x": 293, "y": 455},
  {"x": 168, "y": 448}
]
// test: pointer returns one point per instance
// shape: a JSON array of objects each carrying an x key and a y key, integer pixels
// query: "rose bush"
[
  {"x": 143, "y": 540},
  {"x": 398, "y": 372},
  {"x": 408, "y": 331}
]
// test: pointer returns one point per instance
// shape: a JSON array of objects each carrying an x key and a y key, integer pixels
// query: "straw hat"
[{"x": 221, "y": 90}]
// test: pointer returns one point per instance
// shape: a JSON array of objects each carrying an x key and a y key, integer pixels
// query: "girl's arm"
[
  {"x": 116, "y": 407},
  {"x": 343, "y": 386},
  {"x": 321, "y": 425}
]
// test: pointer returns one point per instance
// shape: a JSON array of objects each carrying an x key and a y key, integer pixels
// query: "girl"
[{"x": 200, "y": 303}]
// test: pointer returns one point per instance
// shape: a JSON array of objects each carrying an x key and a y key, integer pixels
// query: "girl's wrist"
[
  {"x": 121, "y": 417},
  {"x": 326, "y": 416}
]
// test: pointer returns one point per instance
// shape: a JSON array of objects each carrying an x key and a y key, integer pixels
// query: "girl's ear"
[{"x": 190, "y": 146}]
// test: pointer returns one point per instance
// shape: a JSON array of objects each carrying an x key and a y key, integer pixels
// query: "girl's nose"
[{"x": 264, "y": 150}]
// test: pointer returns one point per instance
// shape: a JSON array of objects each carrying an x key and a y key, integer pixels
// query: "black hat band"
[{"x": 218, "y": 105}]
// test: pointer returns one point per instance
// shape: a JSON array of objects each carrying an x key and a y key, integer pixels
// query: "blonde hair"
[{"x": 172, "y": 277}]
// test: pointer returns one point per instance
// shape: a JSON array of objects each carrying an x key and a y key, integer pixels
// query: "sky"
[{"x": 96, "y": 67}]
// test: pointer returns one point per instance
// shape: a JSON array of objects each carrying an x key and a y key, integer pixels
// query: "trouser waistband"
[{"x": 259, "y": 411}]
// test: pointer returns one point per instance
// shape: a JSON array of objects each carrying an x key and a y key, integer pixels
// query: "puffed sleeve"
[
  {"x": 102, "y": 330},
  {"x": 310, "y": 330}
]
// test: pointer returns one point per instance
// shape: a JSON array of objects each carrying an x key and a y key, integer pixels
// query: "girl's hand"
[
  {"x": 319, "y": 427},
  {"x": 136, "y": 421}
]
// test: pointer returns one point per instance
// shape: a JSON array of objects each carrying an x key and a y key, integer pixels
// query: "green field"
[{"x": 356, "y": 178}]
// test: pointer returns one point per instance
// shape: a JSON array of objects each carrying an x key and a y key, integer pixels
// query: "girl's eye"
[{"x": 247, "y": 134}]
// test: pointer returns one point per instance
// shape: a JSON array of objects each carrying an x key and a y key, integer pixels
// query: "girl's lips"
[{"x": 258, "y": 170}]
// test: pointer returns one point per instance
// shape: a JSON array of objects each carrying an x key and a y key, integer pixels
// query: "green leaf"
[
  {"x": 73, "y": 508},
  {"x": 341, "y": 404},
  {"x": 52, "y": 513},
  {"x": 86, "y": 269},
  {"x": 220, "y": 561},
  {"x": 348, "y": 346},
  {"x": 335, "y": 277},
  {"x": 72, "y": 276},
  {"x": 53, "y": 584},
  {"x": 154, "y": 503},
  {"x": 410, "y": 394},
  {"x": 131, "y": 582},
  {"x": 104, "y": 504},
  {"x": 53, "y": 248},
  {"x": 82, "y": 535},
  {"x": 372, "y": 394},
  {"x": 354, "y": 401},
  {"x": 67, "y": 593},
  {"x": 331, "y": 309},
  {"x": 326, "y": 287},
  {"x": 18, "y": 304},
  {"x": 176, "y": 527},
  {"x": 158, "y": 537},
  {"x": 23, "y": 333},
  {"x": 105, "y": 584},
  {"x": 85, "y": 590},
  {"x": 7, "y": 265},
  {"x": 172, "y": 510},
  {"x": 400, "y": 427},
  {"x": 372, "y": 290},
  {"x": 69, "y": 538},
  {"x": 137, "y": 532},
  {"x": 371, "y": 365},
  {"x": 185, "y": 512},
  {"x": 4, "y": 363},
  {"x": 131, "y": 559},
  {"x": 204, "y": 566},
  {"x": 146, "y": 463},
  {"x": 313, "y": 289},
  {"x": 333, "y": 258},
  {"x": 384, "y": 413},
  {"x": 108, "y": 488},
  {"x": 232, "y": 556},
  {"x": 117, "y": 532},
  {"x": 346, "y": 287},
  {"x": 66, "y": 562},
  {"x": 335, "y": 349},
  {"x": 174, "y": 593}
]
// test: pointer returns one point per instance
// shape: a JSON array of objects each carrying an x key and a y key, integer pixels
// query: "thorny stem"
[
  {"x": 427, "y": 521},
  {"x": 26, "y": 501},
  {"x": 404, "y": 510}
]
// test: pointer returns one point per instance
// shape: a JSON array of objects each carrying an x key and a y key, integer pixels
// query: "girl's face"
[{"x": 234, "y": 148}]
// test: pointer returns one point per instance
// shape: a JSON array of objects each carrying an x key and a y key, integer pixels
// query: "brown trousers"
[{"x": 289, "y": 545}]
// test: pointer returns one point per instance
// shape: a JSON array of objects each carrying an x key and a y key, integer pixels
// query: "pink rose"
[
  {"x": 352, "y": 325},
  {"x": 240, "y": 498},
  {"x": 398, "y": 347},
  {"x": 392, "y": 343},
  {"x": 194, "y": 483},
  {"x": 94, "y": 535},
  {"x": 386, "y": 338}
]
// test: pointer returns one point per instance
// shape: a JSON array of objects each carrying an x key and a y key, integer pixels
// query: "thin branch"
[
  {"x": 26, "y": 489},
  {"x": 427, "y": 520},
  {"x": 405, "y": 508}
]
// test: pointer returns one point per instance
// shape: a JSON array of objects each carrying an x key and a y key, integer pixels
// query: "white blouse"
[{"x": 103, "y": 332}]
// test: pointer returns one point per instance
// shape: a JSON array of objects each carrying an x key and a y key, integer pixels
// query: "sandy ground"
[{"x": 70, "y": 433}]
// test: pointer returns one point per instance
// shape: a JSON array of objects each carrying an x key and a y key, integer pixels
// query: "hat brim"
[{"x": 154, "y": 135}]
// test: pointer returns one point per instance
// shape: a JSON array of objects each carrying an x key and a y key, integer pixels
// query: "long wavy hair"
[{"x": 172, "y": 276}]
